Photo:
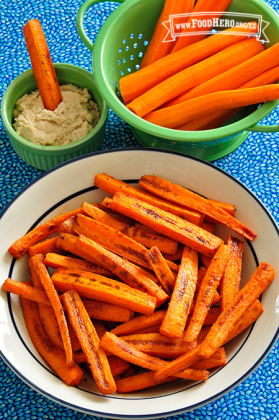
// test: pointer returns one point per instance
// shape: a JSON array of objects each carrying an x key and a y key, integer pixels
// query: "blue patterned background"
[{"x": 255, "y": 163}]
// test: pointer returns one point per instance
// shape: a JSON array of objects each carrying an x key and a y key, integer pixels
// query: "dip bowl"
[{"x": 46, "y": 157}]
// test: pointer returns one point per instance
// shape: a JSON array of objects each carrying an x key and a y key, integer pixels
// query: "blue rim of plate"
[{"x": 100, "y": 413}]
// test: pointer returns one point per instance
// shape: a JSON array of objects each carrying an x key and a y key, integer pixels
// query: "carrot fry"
[
  {"x": 182, "y": 297},
  {"x": 217, "y": 360},
  {"x": 212, "y": 315},
  {"x": 112, "y": 186},
  {"x": 194, "y": 108},
  {"x": 67, "y": 226},
  {"x": 205, "y": 260},
  {"x": 138, "y": 323},
  {"x": 26, "y": 291},
  {"x": 46, "y": 312},
  {"x": 237, "y": 76},
  {"x": 90, "y": 342},
  {"x": 42, "y": 64},
  {"x": 177, "y": 256},
  {"x": 44, "y": 278},
  {"x": 161, "y": 269},
  {"x": 105, "y": 311},
  {"x": 158, "y": 47},
  {"x": 149, "y": 330},
  {"x": 168, "y": 224},
  {"x": 48, "y": 245},
  {"x": 129, "y": 353},
  {"x": 132, "y": 275},
  {"x": 148, "y": 240},
  {"x": 200, "y": 7},
  {"x": 208, "y": 286},
  {"x": 18, "y": 248},
  {"x": 54, "y": 260},
  {"x": 135, "y": 84},
  {"x": 53, "y": 355},
  {"x": 229, "y": 285},
  {"x": 220, "y": 330},
  {"x": 117, "y": 366},
  {"x": 186, "y": 197},
  {"x": 193, "y": 76},
  {"x": 94, "y": 286},
  {"x": 208, "y": 226},
  {"x": 159, "y": 346},
  {"x": 137, "y": 382}
]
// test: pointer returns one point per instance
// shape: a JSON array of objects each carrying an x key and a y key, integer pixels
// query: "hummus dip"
[{"x": 73, "y": 119}]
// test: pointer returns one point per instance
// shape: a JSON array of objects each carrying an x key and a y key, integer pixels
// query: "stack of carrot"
[
  {"x": 138, "y": 289},
  {"x": 198, "y": 82}
]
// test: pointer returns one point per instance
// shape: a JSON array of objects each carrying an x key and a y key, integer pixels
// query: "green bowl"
[
  {"x": 118, "y": 49},
  {"x": 46, "y": 157}
]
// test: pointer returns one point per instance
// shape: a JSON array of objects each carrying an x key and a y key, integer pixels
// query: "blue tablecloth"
[{"x": 255, "y": 163}]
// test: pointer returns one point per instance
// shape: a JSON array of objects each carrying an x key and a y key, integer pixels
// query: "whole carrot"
[{"x": 42, "y": 64}]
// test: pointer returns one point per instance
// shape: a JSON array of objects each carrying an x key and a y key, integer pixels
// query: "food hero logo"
[{"x": 202, "y": 23}]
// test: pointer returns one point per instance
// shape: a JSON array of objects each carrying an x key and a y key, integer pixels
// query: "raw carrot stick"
[
  {"x": 18, "y": 248},
  {"x": 90, "y": 342},
  {"x": 26, "y": 291},
  {"x": 168, "y": 224},
  {"x": 193, "y": 76},
  {"x": 176, "y": 115},
  {"x": 54, "y": 356},
  {"x": 105, "y": 311},
  {"x": 94, "y": 286},
  {"x": 161, "y": 269},
  {"x": 138, "y": 323},
  {"x": 165, "y": 245},
  {"x": 200, "y": 7},
  {"x": 135, "y": 84},
  {"x": 159, "y": 346},
  {"x": 44, "y": 278},
  {"x": 158, "y": 47},
  {"x": 230, "y": 282},
  {"x": 215, "y": 119},
  {"x": 176, "y": 193},
  {"x": 42, "y": 64},
  {"x": 218, "y": 359},
  {"x": 237, "y": 76},
  {"x": 220, "y": 330},
  {"x": 46, "y": 312},
  {"x": 129, "y": 353},
  {"x": 48, "y": 245},
  {"x": 182, "y": 297},
  {"x": 112, "y": 186},
  {"x": 134, "y": 276},
  {"x": 208, "y": 286},
  {"x": 55, "y": 260}
]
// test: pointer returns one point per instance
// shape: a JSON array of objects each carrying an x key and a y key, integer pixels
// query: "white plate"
[{"x": 65, "y": 188}]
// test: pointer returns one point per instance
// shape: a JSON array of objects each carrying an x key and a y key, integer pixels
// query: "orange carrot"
[
  {"x": 90, "y": 342},
  {"x": 220, "y": 330},
  {"x": 200, "y": 7},
  {"x": 94, "y": 286},
  {"x": 161, "y": 269},
  {"x": 26, "y": 291},
  {"x": 230, "y": 282},
  {"x": 208, "y": 286},
  {"x": 176, "y": 193},
  {"x": 135, "y": 84},
  {"x": 138, "y": 323},
  {"x": 42, "y": 64},
  {"x": 48, "y": 245},
  {"x": 44, "y": 278},
  {"x": 193, "y": 76},
  {"x": 105, "y": 311},
  {"x": 129, "y": 273},
  {"x": 67, "y": 226},
  {"x": 217, "y": 360},
  {"x": 112, "y": 186},
  {"x": 165, "y": 245},
  {"x": 158, "y": 47},
  {"x": 176, "y": 115},
  {"x": 54, "y": 356},
  {"x": 18, "y": 248},
  {"x": 167, "y": 224},
  {"x": 117, "y": 366},
  {"x": 182, "y": 297}
]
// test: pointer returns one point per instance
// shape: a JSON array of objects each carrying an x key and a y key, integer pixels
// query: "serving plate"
[{"x": 65, "y": 188}]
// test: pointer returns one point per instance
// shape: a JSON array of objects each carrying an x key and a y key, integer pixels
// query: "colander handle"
[
  {"x": 265, "y": 128},
  {"x": 79, "y": 20}
]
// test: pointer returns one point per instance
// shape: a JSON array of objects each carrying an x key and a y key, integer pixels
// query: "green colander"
[{"x": 118, "y": 51}]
